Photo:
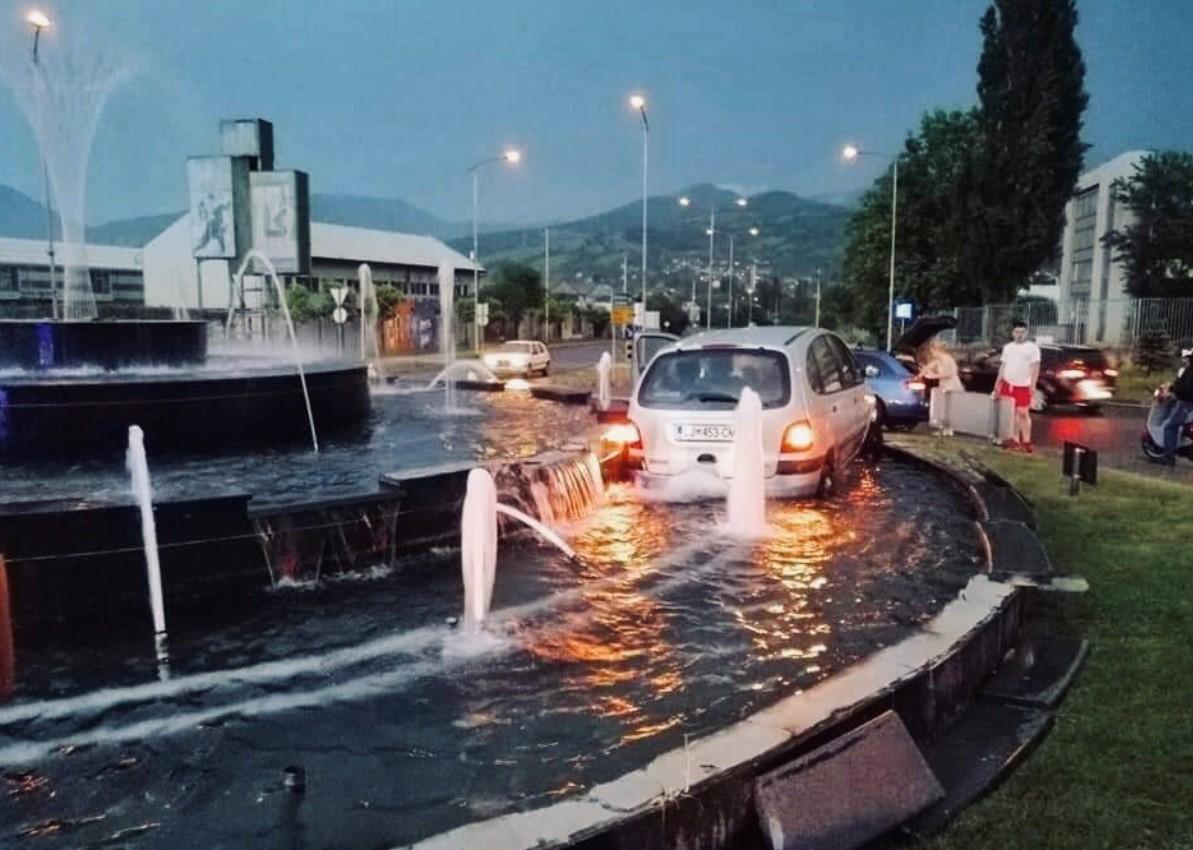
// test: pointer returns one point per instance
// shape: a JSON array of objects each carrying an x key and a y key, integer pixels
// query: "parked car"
[
  {"x": 901, "y": 399},
  {"x": 1069, "y": 374},
  {"x": 816, "y": 410},
  {"x": 519, "y": 357}
]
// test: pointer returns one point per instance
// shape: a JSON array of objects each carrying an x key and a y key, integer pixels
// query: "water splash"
[
  {"x": 138, "y": 468},
  {"x": 280, "y": 290},
  {"x": 604, "y": 390},
  {"x": 746, "y": 501},
  {"x": 370, "y": 312},
  {"x": 63, "y": 95},
  {"x": 478, "y": 547}
]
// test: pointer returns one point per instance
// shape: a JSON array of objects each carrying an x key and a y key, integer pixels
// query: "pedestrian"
[
  {"x": 1181, "y": 393},
  {"x": 1017, "y": 376},
  {"x": 940, "y": 367}
]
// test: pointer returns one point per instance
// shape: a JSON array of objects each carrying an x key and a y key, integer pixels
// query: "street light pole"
[
  {"x": 638, "y": 102},
  {"x": 546, "y": 284},
  {"x": 712, "y": 231},
  {"x": 512, "y": 156},
  {"x": 39, "y": 21},
  {"x": 850, "y": 153},
  {"x": 729, "y": 318}
]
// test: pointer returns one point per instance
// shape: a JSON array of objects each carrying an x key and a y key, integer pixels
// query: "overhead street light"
[
  {"x": 512, "y": 156},
  {"x": 850, "y": 153},
  {"x": 685, "y": 201},
  {"x": 638, "y": 103},
  {"x": 39, "y": 21}
]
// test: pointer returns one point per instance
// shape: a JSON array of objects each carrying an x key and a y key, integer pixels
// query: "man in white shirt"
[{"x": 1017, "y": 378}]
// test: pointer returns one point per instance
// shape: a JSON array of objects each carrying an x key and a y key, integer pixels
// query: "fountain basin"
[
  {"x": 202, "y": 410},
  {"x": 115, "y": 344}
]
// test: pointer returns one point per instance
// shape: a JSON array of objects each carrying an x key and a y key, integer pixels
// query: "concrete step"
[{"x": 1037, "y": 672}]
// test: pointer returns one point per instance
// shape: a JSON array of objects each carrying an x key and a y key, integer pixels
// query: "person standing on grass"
[
  {"x": 1181, "y": 391},
  {"x": 1017, "y": 376}
]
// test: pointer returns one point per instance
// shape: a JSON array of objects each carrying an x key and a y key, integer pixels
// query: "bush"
[{"x": 1153, "y": 350}]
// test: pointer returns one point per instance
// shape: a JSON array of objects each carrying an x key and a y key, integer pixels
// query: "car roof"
[{"x": 771, "y": 336}]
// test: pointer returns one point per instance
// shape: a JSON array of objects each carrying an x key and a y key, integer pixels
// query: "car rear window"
[{"x": 713, "y": 379}]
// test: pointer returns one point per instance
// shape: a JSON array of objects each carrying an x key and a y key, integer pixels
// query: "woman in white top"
[{"x": 936, "y": 364}]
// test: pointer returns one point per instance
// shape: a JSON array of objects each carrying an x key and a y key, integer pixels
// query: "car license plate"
[{"x": 704, "y": 433}]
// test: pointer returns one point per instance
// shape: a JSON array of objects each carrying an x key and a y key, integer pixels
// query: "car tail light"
[
  {"x": 1071, "y": 374},
  {"x": 623, "y": 434},
  {"x": 915, "y": 386},
  {"x": 1110, "y": 373},
  {"x": 799, "y": 436}
]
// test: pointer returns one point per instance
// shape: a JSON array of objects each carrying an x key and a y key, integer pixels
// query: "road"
[{"x": 569, "y": 357}]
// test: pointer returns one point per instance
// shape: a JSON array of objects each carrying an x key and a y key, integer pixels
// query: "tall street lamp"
[
  {"x": 513, "y": 156},
  {"x": 40, "y": 21},
  {"x": 753, "y": 231},
  {"x": 638, "y": 102},
  {"x": 849, "y": 154},
  {"x": 712, "y": 231}
]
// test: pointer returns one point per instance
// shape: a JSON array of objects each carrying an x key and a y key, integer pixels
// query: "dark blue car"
[{"x": 902, "y": 400}]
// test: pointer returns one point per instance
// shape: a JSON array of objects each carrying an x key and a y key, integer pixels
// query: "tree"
[
  {"x": 673, "y": 318},
  {"x": 388, "y": 298},
  {"x": 1015, "y": 185},
  {"x": 519, "y": 288},
  {"x": 928, "y": 261},
  {"x": 305, "y": 304},
  {"x": 1156, "y": 248},
  {"x": 1153, "y": 350}
]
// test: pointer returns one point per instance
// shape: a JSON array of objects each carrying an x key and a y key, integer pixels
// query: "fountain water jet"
[
  {"x": 746, "y": 501},
  {"x": 604, "y": 391},
  {"x": 478, "y": 544},
  {"x": 447, "y": 329},
  {"x": 138, "y": 468},
  {"x": 369, "y": 313},
  {"x": 63, "y": 93},
  {"x": 280, "y": 290}
]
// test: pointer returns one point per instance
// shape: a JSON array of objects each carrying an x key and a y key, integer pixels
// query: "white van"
[{"x": 816, "y": 410}]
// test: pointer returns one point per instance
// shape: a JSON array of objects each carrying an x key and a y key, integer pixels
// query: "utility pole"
[
  {"x": 546, "y": 284},
  {"x": 818, "y": 298}
]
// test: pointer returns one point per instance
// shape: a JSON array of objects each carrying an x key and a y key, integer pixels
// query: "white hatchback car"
[
  {"x": 816, "y": 411},
  {"x": 520, "y": 357}
]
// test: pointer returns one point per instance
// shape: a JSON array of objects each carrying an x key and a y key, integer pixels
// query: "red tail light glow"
[
  {"x": 1071, "y": 374},
  {"x": 915, "y": 386},
  {"x": 799, "y": 437},
  {"x": 623, "y": 434}
]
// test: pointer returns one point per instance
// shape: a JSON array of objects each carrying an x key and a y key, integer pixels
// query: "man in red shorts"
[{"x": 1017, "y": 376}]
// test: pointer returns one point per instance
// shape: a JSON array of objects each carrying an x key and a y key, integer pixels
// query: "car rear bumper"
[{"x": 792, "y": 478}]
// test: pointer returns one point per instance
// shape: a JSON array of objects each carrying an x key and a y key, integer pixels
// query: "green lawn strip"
[{"x": 1117, "y": 769}]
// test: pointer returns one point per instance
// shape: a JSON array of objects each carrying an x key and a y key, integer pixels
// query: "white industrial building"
[
  {"x": 116, "y": 274},
  {"x": 407, "y": 262},
  {"x": 1091, "y": 291}
]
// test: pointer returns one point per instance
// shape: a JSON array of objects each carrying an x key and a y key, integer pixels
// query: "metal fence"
[{"x": 1113, "y": 323}]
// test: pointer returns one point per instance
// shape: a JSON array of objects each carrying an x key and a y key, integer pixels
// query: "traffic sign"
[
  {"x": 339, "y": 315},
  {"x": 482, "y": 313},
  {"x": 339, "y": 293},
  {"x": 623, "y": 314}
]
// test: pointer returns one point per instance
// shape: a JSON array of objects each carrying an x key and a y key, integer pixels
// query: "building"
[
  {"x": 1091, "y": 291},
  {"x": 116, "y": 276},
  {"x": 407, "y": 262}
]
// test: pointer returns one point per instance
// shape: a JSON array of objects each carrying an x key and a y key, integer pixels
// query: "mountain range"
[{"x": 796, "y": 235}]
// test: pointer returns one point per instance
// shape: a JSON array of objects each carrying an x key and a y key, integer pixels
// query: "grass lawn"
[{"x": 1117, "y": 769}]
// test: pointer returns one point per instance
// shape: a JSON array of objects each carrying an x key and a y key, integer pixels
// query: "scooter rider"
[{"x": 1181, "y": 391}]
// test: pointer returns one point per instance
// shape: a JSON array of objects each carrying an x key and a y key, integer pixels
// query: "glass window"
[
  {"x": 714, "y": 378},
  {"x": 8, "y": 279},
  {"x": 827, "y": 367},
  {"x": 851, "y": 373}
]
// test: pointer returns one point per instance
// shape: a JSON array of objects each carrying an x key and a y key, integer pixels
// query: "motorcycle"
[{"x": 1152, "y": 439}]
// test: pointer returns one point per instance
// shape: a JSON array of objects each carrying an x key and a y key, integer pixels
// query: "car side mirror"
[{"x": 872, "y": 372}]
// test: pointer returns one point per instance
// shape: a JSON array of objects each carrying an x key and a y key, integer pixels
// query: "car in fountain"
[
  {"x": 522, "y": 357},
  {"x": 816, "y": 409}
]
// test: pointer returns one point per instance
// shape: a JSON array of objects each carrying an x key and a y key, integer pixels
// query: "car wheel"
[
  {"x": 546, "y": 369},
  {"x": 1039, "y": 400},
  {"x": 828, "y": 478}
]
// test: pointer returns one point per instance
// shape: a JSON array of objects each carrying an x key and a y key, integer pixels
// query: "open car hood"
[{"x": 922, "y": 330}]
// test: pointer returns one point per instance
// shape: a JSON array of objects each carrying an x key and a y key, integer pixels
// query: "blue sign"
[{"x": 903, "y": 310}]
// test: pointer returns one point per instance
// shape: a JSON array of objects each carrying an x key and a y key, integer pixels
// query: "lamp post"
[
  {"x": 638, "y": 102},
  {"x": 513, "y": 156},
  {"x": 753, "y": 231},
  {"x": 546, "y": 284},
  {"x": 849, "y": 154},
  {"x": 712, "y": 231},
  {"x": 39, "y": 21}
]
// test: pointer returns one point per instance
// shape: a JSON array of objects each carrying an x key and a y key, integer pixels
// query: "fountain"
[
  {"x": 746, "y": 501},
  {"x": 138, "y": 468},
  {"x": 604, "y": 392},
  {"x": 370, "y": 312},
  {"x": 63, "y": 93}
]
